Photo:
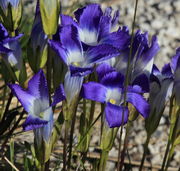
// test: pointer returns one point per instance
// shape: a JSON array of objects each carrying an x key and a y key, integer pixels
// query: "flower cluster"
[{"x": 93, "y": 59}]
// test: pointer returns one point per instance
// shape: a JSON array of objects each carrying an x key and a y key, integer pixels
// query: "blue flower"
[
  {"x": 79, "y": 62},
  {"x": 161, "y": 87},
  {"x": 35, "y": 101},
  {"x": 110, "y": 91},
  {"x": 95, "y": 27},
  {"x": 10, "y": 48},
  {"x": 141, "y": 60}
]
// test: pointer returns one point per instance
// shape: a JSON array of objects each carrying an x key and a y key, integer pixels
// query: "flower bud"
[
  {"x": 11, "y": 13},
  {"x": 50, "y": 15}
]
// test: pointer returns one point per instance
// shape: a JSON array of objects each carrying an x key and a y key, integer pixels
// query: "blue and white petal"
[
  {"x": 103, "y": 69},
  {"x": 79, "y": 71},
  {"x": 119, "y": 39},
  {"x": 72, "y": 86},
  {"x": 33, "y": 122},
  {"x": 59, "y": 95},
  {"x": 26, "y": 99},
  {"x": 70, "y": 41},
  {"x": 88, "y": 19},
  {"x": 37, "y": 86},
  {"x": 139, "y": 103},
  {"x": 114, "y": 115},
  {"x": 47, "y": 129},
  {"x": 61, "y": 52},
  {"x": 101, "y": 53},
  {"x": 113, "y": 79},
  {"x": 94, "y": 91}
]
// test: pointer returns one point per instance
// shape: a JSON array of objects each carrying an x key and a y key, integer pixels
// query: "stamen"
[
  {"x": 112, "y": 101},
  {"x": 76, "y": 63}
]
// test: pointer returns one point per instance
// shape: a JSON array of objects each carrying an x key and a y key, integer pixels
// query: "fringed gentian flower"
[
  {"x": 94, "y": 27},
  {"x": 175, "y": 65},
  {"x": 80, "y": 63},
  {"x": 161, "y": 86},
  {"x": 10, "y": 48},
  {"x": 141, "y": 60},
  {"x": 35, "y": 101},
  {"x": 110, "y": 91}
]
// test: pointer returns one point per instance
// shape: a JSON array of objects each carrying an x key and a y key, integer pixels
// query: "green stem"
[
  {"x": 145, "y": 151},
  {"x": 126, "y": 86},
  {"x": 65, "y": 144},
  {"x": 3, "y": 103},
  {"x": 103, "y": 160},
  {"x": 169, "y": 157},
  {"x": 49, "y": 70},
  {"x": 165, "y": 155},
  {"x": 129, "y": 124},
  {"x": 71, "y": 138},
  {"x": 88, "y": 130}
]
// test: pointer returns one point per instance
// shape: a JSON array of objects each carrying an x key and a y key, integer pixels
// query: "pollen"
[
  {"x": 76, "y": 63},
  {"x": 112, "y": 101},
  {"x": 41, "y": 115}
]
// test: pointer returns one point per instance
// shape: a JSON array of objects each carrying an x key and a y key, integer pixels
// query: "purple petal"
[
  {"x": 145, "y": 61},
  {"x": 3, "y": 33},
  {"x": 69, "y": 38},
  {"x": 101, "y": 52},
  {"x": 61, "y": 52},
  {"x": 139, "y": 103},
  {"x": 59, "y": 95},
  {"x": 166, "y": 71},
  {"x": 115, "y": 19},
  {"x": 114, "y": 115},
  {"x": 4, "y": 50},
  {"x": 104, "y": 27},
  {"x": 33, "y": 123},
  {"x": 37, "y": 86},
  {"x": 26, "y": 99},
  {"x": 174, "y": 59},
  {"x": 94, "y": 91},
  {"x": 155, "y": 70},
  {"x": 78, "y": 71},
  {"x": 47, "y": 129},
  {"x": 119, "y": 39},
  {"x": 89, "y": 17},
  {"x": 142, "y": 81},
  {"x": 67, "y": 20},
  {"x": 113, "y": 80},
  {"x": 103, "y": 69},
  {"x": 135, "y": 89}
]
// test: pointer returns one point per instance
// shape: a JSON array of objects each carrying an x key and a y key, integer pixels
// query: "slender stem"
[
  {"x": 165, "y": 155},
  {"x": 126, "y": 85},
  {"x": 11, "y": 164},
  {"x": 11, "y": 131},
  {"x": 7, "y": 106},
  {"x": 71, "y": 138},
  {"x": 65, "y": 145},
  {"x": 3, "y": 103},
  {"x": 145, "y": 151},
  {"x": 129, "y": 124},
  {"x": 88, "y": 130},
  {"x": 49, "y": 69},
  {"x": 103, "y": 159}
]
